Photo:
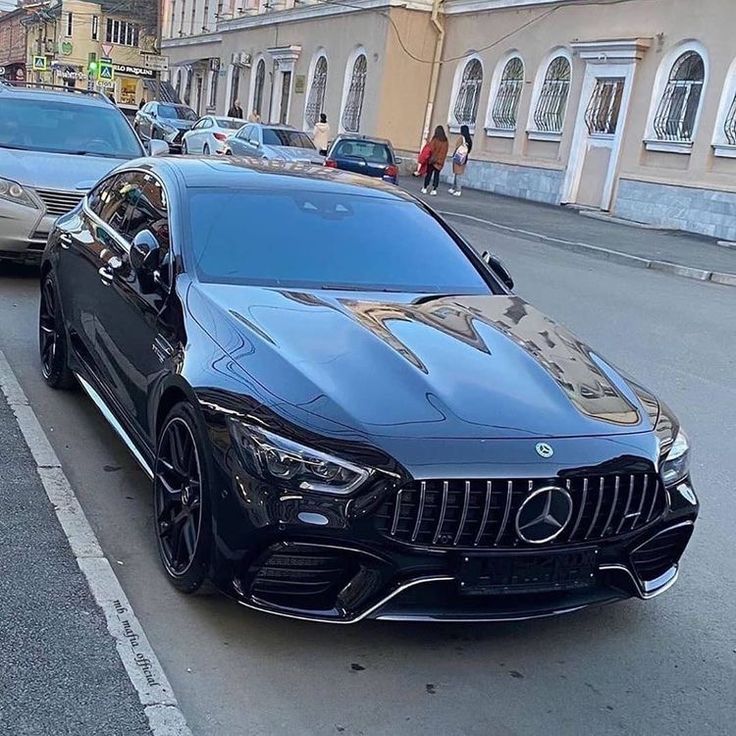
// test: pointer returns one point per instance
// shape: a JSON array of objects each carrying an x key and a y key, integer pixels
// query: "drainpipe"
[{"x": 435, "y": 78}]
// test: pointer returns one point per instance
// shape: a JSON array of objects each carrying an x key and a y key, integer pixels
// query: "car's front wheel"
[
  {"x": 181, "y": 500},
  {"x": 52, "y": 344}
]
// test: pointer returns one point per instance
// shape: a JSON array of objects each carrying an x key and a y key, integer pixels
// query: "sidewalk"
[
  {"x": 688, "y": 254},
  {"x": 60, "y": 672}
]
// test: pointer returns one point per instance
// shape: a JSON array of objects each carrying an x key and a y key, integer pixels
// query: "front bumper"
[
  {"x": 323, "y": 562},
  {"x": 23, "y": 232}
]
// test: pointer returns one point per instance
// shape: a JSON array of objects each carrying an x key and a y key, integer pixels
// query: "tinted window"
[
  {"x": 246, "y": 132},
  {"x": 112, "y": 204},
  {"x": 290, "y": 138},
  {"x": 176, "y": 112},
  {"x": 325, "y": 240},
  {"x": 229, "y": 124},
  {"x": 371, "y": 153},
  {"x": 148, "y": 209},
  {"x": 57, "y": 126}
]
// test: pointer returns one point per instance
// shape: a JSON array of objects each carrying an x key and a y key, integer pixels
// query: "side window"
[
  {"x": 95, "y": 199},
  {"x": 207, "y": 123},
  {"x": 114, "y": 200},
  {"x": 148, "y": 209},
  {"x": 245, "y": 132}
]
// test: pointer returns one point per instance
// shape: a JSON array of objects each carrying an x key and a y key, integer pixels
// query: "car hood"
[
  {"x": 291, "y": 153},
  {"x": 55, "y": 170},
  {"x": 431, "y": 367},
  {"x": 177, "y": 123}
]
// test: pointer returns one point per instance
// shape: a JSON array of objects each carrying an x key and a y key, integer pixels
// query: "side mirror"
[
  {"x": 153, "y": 114},
  {"x": 157, "y": 147},
  {"x": 499, "y": 270},
  {"x": 254, "y": 143},
  {"x": 145, "y": 258},
  {"x": 398, "y": 161}
]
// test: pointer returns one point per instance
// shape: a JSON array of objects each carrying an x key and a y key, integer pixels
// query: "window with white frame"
[
  {"x": 353, "y": 108},
  {"x": 467, "y": 97},
  {"x": 549, "y": 112},
  {"x": 508, "y": 94},
  {"x": 258, "y": 87},
  {"x": 317, "y": 90},
  {"x": 122, "y": 33},
  {"x": 95, "y": 27},
  {"x": 678, "y": 107}
]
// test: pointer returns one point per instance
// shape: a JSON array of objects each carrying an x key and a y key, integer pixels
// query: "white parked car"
[{"x": 209, "y": 135}]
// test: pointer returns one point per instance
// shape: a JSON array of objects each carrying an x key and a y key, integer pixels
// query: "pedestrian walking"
[
  {"x": 438, "y": 147},
  {"x": 321, "y": 134},
  {"x": 463, "y": 147},
  {"x": 235, "y": 111}
]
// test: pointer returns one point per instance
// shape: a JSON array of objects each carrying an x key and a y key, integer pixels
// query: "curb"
[{"x": 615, "y": 256}]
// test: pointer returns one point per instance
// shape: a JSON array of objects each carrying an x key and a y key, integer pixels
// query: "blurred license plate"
[{"x": 527, "y": 572}]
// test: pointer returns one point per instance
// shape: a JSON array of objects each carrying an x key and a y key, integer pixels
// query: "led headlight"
[
  {"x": 676, "y": 465},
  {"x": 289, "y": 463},
  {"x": 14, "y": 192}
]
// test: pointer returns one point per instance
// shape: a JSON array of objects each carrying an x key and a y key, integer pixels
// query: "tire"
[
  {"x": 206, "y": 150},
  {"x": 181, "y": 501},
  {"x": 52, "y": 342}
]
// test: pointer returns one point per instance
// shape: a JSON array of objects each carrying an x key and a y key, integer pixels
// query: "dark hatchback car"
[
  {"x": 362, "y": 155},
  {"x": 165, "y": 121},
  {"x": 340, "y": 424}
]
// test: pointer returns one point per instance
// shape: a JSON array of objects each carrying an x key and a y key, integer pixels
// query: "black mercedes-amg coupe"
[{"x": 345, "y": 411}]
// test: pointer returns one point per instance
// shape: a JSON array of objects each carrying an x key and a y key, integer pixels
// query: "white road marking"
[{"x": 135, "y": 651}]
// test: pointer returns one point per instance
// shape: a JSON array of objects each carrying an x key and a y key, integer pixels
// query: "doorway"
[{"x": 285, "y": 97}]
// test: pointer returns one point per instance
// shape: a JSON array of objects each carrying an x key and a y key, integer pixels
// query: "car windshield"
[
  {"x": 283, "y": 137},
  {"x": 229, "y": 124},
  {"x": 61, "y": 126},
  {"x": 176, "y": 112},
  {"x": 325, "y": 240},
  {"x": 371, "y": 153}
]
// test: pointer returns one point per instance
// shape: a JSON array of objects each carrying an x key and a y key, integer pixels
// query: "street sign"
[
  {"x": 157, "y": 63},
  {"x": 107, "y": 50},
  {"x": 39, "y": 64},
  {"x": 105, "y": 71}
]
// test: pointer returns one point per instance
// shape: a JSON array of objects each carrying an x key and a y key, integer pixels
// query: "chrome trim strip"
[
  {"x": 397, "y": 512},
  {"x": 496, "y": 619},
  {"x": 464, "y": 515},
  {"x": 628, "y": 504},
  {"x": 672, "y": 574},
  {"x": 654, "y": 501},
  {"x": 486, "y": 510},
  {"x": 597, "y": 509},
  {"x": 616, "y": 485},
  {"x": 581, "y": 510},
  {"x": 506, "y": 511},
  {"x": 443, "y": 509},
  {"x": 98, "y": 401},
  {"x": 422, "y": 493},
  {"x": 366, "y": 613}
]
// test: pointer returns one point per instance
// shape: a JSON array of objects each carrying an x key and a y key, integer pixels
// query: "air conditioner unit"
[{"x": 246, "y": 59}]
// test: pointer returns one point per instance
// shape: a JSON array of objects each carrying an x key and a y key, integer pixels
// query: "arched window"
[
  {"x": 678, "y": 107},
  {"x": 353, "y": 107},
  {"x": 258, "y": 85},
  {"x": 316, "y": 98},
  {"x": 465, "y": 108},
  {"x": 508, "y": 94},
  {"x": 549, "y": 113},
  {"x": 729, "y": 124}
]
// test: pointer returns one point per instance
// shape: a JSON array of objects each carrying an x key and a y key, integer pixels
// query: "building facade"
[
  {"x": 12, "y": 46},
  {"x": 626, "y": 107}
]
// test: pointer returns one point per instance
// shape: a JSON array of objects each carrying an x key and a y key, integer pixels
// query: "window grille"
[
  {"x": 549, "y": 114},
  {"x": 316, "y": 100},
  {"x": 729, "y": 126},
  {"x": 465, "y": 109},
  {"x": 678, "y": 108},
  {"x": 506, "y": 104},
  {"x": 260, "y": 82},
  {"x": 356, "y": 92},
  {"x": 601, "y": 115}
]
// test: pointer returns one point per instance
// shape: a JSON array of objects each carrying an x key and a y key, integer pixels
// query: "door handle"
[
  {"x": 66, "y": 241},
  {"x": 106, "y": 274}
]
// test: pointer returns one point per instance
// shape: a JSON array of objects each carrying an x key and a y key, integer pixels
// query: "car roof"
[
  {"x": 274, "y": 126},
  {"x": 229, "y": 172},
  {"x": 359, "y": 137},
  {"x": 81, "y": 97}
]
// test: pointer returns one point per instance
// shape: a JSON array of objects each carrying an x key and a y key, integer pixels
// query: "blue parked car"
[{"x": 362, "y": 155}]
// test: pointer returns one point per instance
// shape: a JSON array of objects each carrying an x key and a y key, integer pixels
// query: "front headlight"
[
  {"x": 676, "y": 465},
  {"x": 14, "y": 192},
  {"x": 291, "y": 464}
]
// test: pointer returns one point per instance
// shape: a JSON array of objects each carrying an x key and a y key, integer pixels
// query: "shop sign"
[
  {"x": 67, "y": 48},
  {"x": 157, "y": 63},
  {"x": 300, "y": 83},
  {"x": 133, "y": 71}
]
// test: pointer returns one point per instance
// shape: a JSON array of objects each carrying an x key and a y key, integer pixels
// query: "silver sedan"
[
  {"x": 209, "y": 135},
  {"x": 273, "y": 143}
]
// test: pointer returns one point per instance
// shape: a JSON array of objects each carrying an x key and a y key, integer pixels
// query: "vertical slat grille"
[{"x": 481, "y": 513}]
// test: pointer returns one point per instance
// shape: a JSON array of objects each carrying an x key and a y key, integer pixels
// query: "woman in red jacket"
[{"x": 438, "y": 147}]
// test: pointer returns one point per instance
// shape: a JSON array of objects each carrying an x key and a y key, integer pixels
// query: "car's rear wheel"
[
  {"x": 181, "y": 501},
  {"x": 52, "y": 344}
]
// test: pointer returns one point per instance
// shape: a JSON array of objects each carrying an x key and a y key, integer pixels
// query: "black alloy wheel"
[
  {"x": 180, "y": 501},
  {"x": 52, "y": 344}
]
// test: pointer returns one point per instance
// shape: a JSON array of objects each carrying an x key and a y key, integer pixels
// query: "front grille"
[
  {"x": 57, "y": 202},
  {"x": 481, "y": 514},
  {"x": 659, "y": 554},
  {"x": 179, "y": 137}
]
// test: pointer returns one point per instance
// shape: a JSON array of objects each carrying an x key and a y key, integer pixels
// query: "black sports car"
[{"x": 345, "y": 411}]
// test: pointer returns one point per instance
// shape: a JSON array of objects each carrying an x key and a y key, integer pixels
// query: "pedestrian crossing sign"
[
  {"x": 105, "y": 71},
  {"x": 39, "y": 64}
]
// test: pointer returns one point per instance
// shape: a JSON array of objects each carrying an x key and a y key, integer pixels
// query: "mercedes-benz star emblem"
[
  {"x": 544, "y": 515},
  {"x": 544, "y": 450}
]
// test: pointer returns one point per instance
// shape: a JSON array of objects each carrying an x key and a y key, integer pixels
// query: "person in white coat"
[{"x": 321, "y": 135}]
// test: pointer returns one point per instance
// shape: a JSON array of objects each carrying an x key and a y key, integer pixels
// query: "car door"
[
  {"x": 193, "y": 137},
  {"x": 134, "y": 336}
]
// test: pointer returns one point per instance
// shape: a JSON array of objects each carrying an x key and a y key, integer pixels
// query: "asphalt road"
[{"x": 667, "y": 666}]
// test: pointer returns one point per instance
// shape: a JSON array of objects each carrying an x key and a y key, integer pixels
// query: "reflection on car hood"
[
  {"x": 291, "y": 153},
  {"x": 178, "y": 123},
  {"x": 469, "y": 366},
  {"x": 54, "y": 170}
]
